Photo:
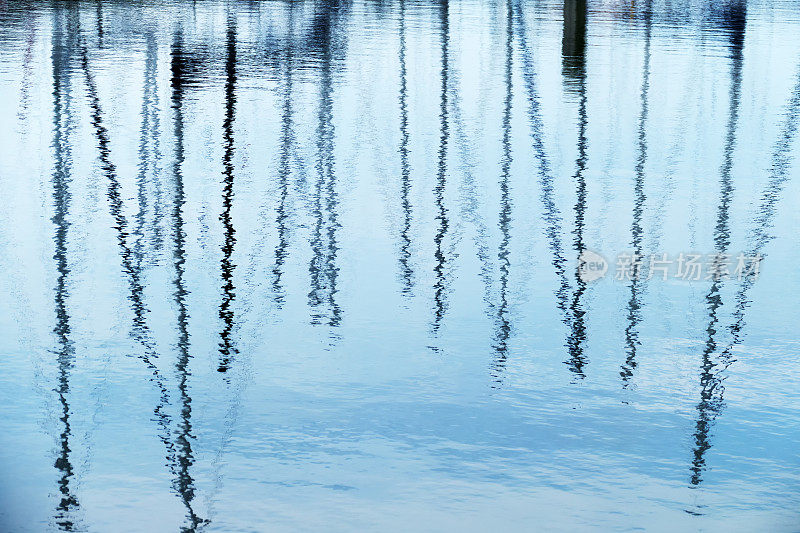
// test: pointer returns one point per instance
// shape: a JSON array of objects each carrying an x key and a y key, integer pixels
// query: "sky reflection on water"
[{"x": 314, "y": 265}]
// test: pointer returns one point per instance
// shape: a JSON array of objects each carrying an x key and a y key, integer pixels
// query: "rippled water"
[{"x": 314, "y": 266}]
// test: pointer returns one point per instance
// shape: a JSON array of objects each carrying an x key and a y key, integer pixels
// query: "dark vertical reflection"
[
  {"x": 226, "y": 349},
  {"x": 712, "y": 376},
  {"x": 551, "y": 214},
  {"x": 146, "y": 137},
  {"x": 711, "y": 388},
  {"x": 406, "y": 272},
  {"x": 99, "y": 22},
  {"x": 323, "y": 269},
  {"x": 130, "y": 267},
  {"x": 502, "y": 322},
  {"x": 779, "y": 174},
  {"x": 634, "y": 315},
  {"x": 765, "y": 215},
  {"x": 439, "y": 287},
  {"x": 27, "y": 70},
  {"x": 183, "y": 482},
  {"x": 153, "y": 137},
  {"x": 284, "y": 166},
  {"x": 65, "y": 355},
  {"x": 573, "y": 43},
  {"x": 331, "y": 202},
  {"x": 470, "y": 199},
  {"x": 574, "y": 73}
]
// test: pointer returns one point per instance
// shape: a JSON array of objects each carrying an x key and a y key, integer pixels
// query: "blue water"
[{"x": 314, "y": 266}]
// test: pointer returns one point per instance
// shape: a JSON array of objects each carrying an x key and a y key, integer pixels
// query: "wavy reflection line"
[
  {"x": 711, "y": 387},
  {"x": 634, "y": 314},
  {"x": 145, "y": 149},
  {"x": 27, "y": 70},
  {"x": 502, "y": 321},
  {"x": 227, "y": 351},
  {"x": 140, "y": 330},
  {"x": 323, "y": 269},
  {"x": 443, "y": 223},
  {"x": 574, "y": 73},
  {"x": 779, "y": 174},
  {"x": 154, "y": 143},
  {"x": 99, "y": 22},
  {"x": 62, "y": 176},
  {"x": 470, "y": 197},
  {"x": 331, "y": 206},
  {"x": 284, "y": 164},
  {"x": 673, "y": 158},
  {"x": 551, "y": 214},
  {"x": 183, "y": 481},
  {"x": 404, "y": 260}
]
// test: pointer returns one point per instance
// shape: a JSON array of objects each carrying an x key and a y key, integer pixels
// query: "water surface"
[{"x": 292, "y": 266}]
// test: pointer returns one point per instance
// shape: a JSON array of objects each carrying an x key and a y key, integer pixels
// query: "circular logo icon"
[{"x": 591, "y": 266}]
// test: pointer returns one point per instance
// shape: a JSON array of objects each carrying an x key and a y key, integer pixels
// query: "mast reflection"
[
  {"x": 634, "y": 315},
  {"x": 183, "y": 482},
  {"x": 711, "y": 387},
  {"x": 145, "y": 155},
  {"x": 551, "y": 214},
  {"x": 227, "y": 351},
  {"x": 502, "y": 321},
  {"x": 406, "y": 271},
  {"x": 65, "y": 356},
  {"x": 323, "y": 269},
  {"x": 131, "y": 266},
  {"x": 284, "y": 165},
  {"x": 574, "y": 74},
  {"x": 443, "y": 223}
]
